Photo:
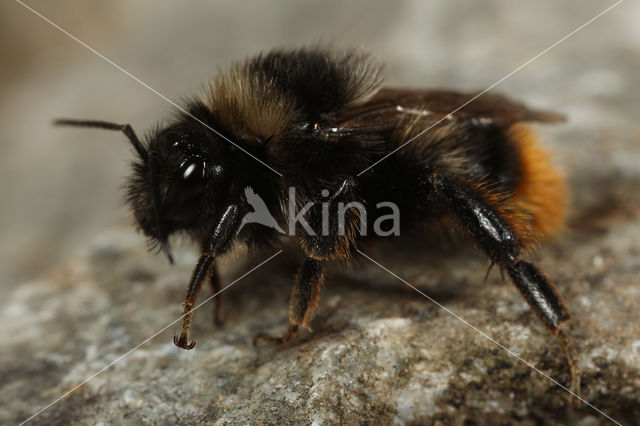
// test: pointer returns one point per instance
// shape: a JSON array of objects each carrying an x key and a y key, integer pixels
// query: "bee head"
[
  {"x": 170, "y": 180},
  {"x": 174, "y": 186}
]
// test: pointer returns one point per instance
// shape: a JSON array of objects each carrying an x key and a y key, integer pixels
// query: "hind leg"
[{"x": 489, "y": 227}]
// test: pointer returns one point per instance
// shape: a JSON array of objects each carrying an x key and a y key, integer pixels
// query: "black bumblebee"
[{"x": 318, "y": 120}]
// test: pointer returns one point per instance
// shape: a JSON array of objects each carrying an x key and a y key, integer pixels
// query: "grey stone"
[{"x": 379, "y": 351}]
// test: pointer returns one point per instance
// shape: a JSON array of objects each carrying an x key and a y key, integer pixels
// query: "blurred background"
[{"x": 60, "y": 187}]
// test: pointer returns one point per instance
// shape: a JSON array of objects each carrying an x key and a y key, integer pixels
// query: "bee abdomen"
[{"x": 541, "y": 190}]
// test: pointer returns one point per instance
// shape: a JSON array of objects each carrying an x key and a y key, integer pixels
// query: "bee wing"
[{"x": 393, "y": 108}]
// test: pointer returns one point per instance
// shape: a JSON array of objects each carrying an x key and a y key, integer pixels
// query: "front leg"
[
  {"x": 219, "y": 240},
  {"x": 197, "y": 278},
  {"x": 304, "y": 300},
  {"x": 216, "y": 286}
]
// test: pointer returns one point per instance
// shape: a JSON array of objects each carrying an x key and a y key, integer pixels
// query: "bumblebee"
[{"x": 320, "y": 121}]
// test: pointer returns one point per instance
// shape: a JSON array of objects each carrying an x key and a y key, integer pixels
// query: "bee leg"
[
  {"x": 197, "y": 279},
  {"x": 220, "y": 236},
  {"x": 494, "y": 235},
  {"x": 216, "y": 286},
  {"x": 304, "y": 300},
  {"x": 336, "y": 220},
  {"x": 572, "y": 356},
  {"x": 333, "y": 242},
  {"x": 545, "y": 300}
]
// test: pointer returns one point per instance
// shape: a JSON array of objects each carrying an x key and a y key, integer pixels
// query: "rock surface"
[{"x": 379, "y": 353}]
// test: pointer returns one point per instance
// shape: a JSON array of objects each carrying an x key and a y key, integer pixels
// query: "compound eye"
[
  {"x": 185, "y": 191},
  {"x": 192, "y": 175}
]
